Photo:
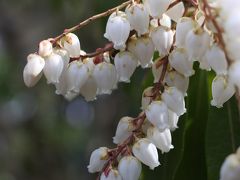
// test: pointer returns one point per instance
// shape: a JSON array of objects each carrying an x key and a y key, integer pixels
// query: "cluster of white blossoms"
[
  {"x": 135, "y": 35},
  {"x": 230, "y": 169}
]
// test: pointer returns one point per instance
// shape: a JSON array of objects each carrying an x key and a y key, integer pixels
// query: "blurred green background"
[{"x": 45, "y": 137}]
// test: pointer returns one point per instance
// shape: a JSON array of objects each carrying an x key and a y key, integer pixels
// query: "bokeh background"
[{"x": 45, "y": 137}]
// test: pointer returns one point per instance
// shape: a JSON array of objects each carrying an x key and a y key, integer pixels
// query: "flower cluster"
[{"x": 135, "y": 35}]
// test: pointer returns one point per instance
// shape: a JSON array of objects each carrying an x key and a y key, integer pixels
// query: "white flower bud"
[
  {"x": 197, "y": 43},
  {"x": 129, "y": 168},
  {"x": 45, "y": 48},
  {"x": 112, "y": 175},
  {"x": 118, "y": 29},
  {"x": 61, "y": 86},
  {"x": 162, "y": 140},
  {"x": 77, "y": 75},
  {"x": 72, "y": 44},
  {"x": 174, "y": 99},
  {"x": 125, "y": 63},
  {"x": 172, "y": 120},
  {"x": 230, "y": 169},
  {"x": 162, "y": 38},
  {"x": 146, "y": 152},
  {"x": 156, "y": 7},
  {"x": 33, "y": 70},
  {"x": 98, "y": 159},
  {"x": 53, "y": 68},
  {"x": 124, "y": 130},
  {"x": 217, "y": 60},
  {"x": 184, "y": 25},
  {"x": 105, "y": 75},
  {"x": 89, "y": 89},
  {"x": 146, "y": 97},
  {"x": 143, "y": 49},
  {"x": 176, "y": 12},
  {"x": 157, "y": 70},
  {"x": 138, "y": 17},
  {"x": 222, "y": 91},
  {"x": 173, "y": 78},
  {"x": 157, "y": 114},
  {"x": 178, "y": 59},
  {"x": 234, "y": 73}
]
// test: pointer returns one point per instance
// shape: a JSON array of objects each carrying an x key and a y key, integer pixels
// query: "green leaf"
[
  {"x": 193, "y": 164},
  {"x": 222, "y": 136}
]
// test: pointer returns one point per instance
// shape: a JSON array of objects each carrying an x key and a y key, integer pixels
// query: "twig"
[{"x": 87, "y": 21}]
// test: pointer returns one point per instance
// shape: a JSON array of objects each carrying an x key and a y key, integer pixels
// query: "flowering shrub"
[{"x": 165, "y": 36}]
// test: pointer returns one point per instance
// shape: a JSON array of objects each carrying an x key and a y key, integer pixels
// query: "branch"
[{"x": 87, "y": 21}]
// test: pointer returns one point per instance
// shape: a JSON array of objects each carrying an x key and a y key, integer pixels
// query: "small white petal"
[
  {"x": 176, "y": 12},
  {"x": 163, "y": 140},
  {"x": 174, "y": 99},
  {"x": 157, "y": 114},
  {"x": 162, "y": 38},
  {"x": 143, "y": 49},
  {"x": 178, "y": 59},
  {"x": 124, "y": 130},
  {"x": 45, "y": 48},
  {"x": 53, "y": 68},
  {"x": 33, "y": 70},
  {"x": 125, "y": 63},
  {"x": 156, "y": 7},
  {"x": 129, "y": 168},
  {"x": 146, "y": 152},
  {"x": 222, "y": 91},
  {"x": 112, "y": 175},
  {"x": 138, "y": 17},
  {"x": 98, "y": 159},
  {"x": 118, "y": 29},
  {"x": 72, "y": 44}
]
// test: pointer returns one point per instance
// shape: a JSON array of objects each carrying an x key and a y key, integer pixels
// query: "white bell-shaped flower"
[
  {"x": 157, "y": 70},
  {"x": 77, "y": 75},
  {"x": 98, "y": 159},
  {"x": 33, "y": 70},
  {"x": 125, "y": 63},
  {"x": 124, "y": 130},
  {"x": 176, "y": 12},
  {"x": 184, "y": 25},
  {"x": 162, "y": 140},
  {"x": 89, "y": 89},
  {"x": 162, "y": 38},
  {"x": 45, "y": 48},
  {"x": 72, "y": 44},
  {"x": 174, "y": 99},
  {"x": 61, "y": 86},
  {"x": 156, "y": 8},
  {"x": 173, "y": 78},
  {"x": 178, "y": 59},
  {"x": 230, "y": 169},
  {"x": 157, "y": 114},
  {"x": 146, "y": 152},
  {"x": 105, "y": 75},
  {"x": 129, "y": 168},
  {"x": 234, "y": 73},
  {"x": 53, "y": 68},
  {"x": 118, "y": 29},
  {"x": 146, "y": 97},
  {"x": 172, "y": 120},
  {"x": 143, "y": 49},
  {"x": 197, "y": 43},
  {"x": 138, "y": 17},
  {"x": 164, "y": 21},
  {"x": 222, "y": 91},
  {"x": 217, "y": 60},
  {"x": 111, "y": 175}
]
